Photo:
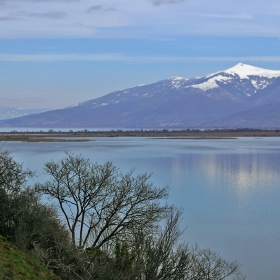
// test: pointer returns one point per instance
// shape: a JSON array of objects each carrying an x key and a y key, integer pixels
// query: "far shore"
[{"x": 82, "y": 136}]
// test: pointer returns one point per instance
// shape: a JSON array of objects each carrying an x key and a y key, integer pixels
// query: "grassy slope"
[{"x": 16, "y": 265}]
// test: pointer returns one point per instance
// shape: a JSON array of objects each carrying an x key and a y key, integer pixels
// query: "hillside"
[
  {"x": 16, "y": 265},
  {"x": 214, "y": 100},
  {"x": 264, "y": 116},
  {"x": 10, "y": 113}
]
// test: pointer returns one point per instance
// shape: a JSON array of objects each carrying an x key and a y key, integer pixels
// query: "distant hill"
[
  {"x": 16, "y": 265},
  {"x": 264, "y": 116},
  {"x": 9, "y": 113},
  {"x": 231, "y": 98}
]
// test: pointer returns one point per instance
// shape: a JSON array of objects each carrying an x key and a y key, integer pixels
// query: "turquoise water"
[{"x": 229, "y": 189}]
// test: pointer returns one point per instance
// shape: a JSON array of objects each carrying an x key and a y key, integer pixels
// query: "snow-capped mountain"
[
  {"x": 174, "y": 102},
  {"x": 242, "y": 80}
]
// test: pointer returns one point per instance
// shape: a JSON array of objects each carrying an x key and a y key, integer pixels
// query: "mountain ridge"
[
  {"x": 173, "y": 102},
  {"x": 9, "y": 113}
]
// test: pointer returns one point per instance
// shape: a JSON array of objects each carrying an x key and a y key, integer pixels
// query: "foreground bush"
[
  {"x": 102, "y": 224},
  {"x": 16, "y": 265}
]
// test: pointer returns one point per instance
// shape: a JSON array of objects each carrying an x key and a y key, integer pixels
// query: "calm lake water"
[{"x": 229, "y": 189}]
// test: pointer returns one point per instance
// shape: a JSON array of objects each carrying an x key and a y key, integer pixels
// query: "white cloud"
[
  {"x": 225, "y": 16},
  {"x": 8, "y": 18},
  {"x": 163, "y": 2},
  {"x": 94, "y": 8},
  {"x": 48, "y": 15},
  {"x": 61, "y": 57},
  {"x": 77, "y": 18},
  {"x": 126, "y": 58}
]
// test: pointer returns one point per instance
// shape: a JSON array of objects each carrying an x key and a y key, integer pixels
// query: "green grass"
[{"x": 16, "y": 265}]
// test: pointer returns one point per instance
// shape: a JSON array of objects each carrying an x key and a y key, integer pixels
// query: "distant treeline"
[{"x": 187, "y": 130}]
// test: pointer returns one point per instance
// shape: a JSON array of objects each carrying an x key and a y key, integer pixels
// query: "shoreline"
[{"x": 76, "y": 136}]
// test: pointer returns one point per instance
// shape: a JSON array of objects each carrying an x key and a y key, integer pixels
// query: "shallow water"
[{"x": 229, "y": 189}]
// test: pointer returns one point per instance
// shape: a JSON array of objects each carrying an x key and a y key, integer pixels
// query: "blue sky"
[{"x": 55, "y": 53}]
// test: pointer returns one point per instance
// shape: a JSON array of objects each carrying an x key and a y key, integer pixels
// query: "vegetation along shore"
[
  {"x": 92, "y": 221},
  {"x": 83, "y": 135}
]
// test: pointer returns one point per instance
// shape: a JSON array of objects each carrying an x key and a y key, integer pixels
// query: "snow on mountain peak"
[
  {"x": 245, "y": 70},
  {"x": 210, "y": 84},
  {"x": 177, "y": 82},
  {"x": 177, "y": 78}
]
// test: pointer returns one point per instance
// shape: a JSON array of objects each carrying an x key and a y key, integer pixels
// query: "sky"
[{"x": 56, "y": 53}]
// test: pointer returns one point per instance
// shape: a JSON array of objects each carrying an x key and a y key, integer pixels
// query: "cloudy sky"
[{"x": 55, "y": 53}]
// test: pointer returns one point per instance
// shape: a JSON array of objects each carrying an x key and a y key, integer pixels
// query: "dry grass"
[{"x": 84, "y": 136}]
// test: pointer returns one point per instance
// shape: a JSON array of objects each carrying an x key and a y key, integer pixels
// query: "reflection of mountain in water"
[{"x": 244, "y": 172}]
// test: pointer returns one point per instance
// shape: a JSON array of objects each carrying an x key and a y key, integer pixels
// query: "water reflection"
[
  {"x": 177, "y": 170},
  {"x": 229, "y": 188},
  {"x": 244, "y": 172}
]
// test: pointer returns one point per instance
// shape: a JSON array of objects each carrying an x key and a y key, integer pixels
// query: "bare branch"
[{"x": 99, "y": 202}]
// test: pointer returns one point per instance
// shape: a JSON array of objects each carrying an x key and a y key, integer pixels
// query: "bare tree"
[
  {"x": 129, "y": 233},
  {"x": 160, "y": 255},
  {"x": 99, "y": 202},
  {"x": 12, "y": 175},
  {"x": 14, "y": 192},
  {"x": 209, "y": 265},
  {"x": 159, "y": 252}
]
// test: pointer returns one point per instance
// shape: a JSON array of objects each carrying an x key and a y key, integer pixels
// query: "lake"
[{"x": 229, "y": 189}]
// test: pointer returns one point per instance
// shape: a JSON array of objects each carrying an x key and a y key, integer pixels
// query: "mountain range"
[
  {"x": 241, "y": 96},
  {"x": 9, "y": 113}
]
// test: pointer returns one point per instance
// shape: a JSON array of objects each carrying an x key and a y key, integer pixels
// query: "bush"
[{"x": 114, "y": 225}]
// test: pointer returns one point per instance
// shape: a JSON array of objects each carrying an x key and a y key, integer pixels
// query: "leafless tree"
[
  {"x": 131, "y": 235},
  {"x": 209, "y": 265},
  {"x": 99, "y": 202},
  {"x": 161, "y": 255},
  {"x": 12, "y": 175}
]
